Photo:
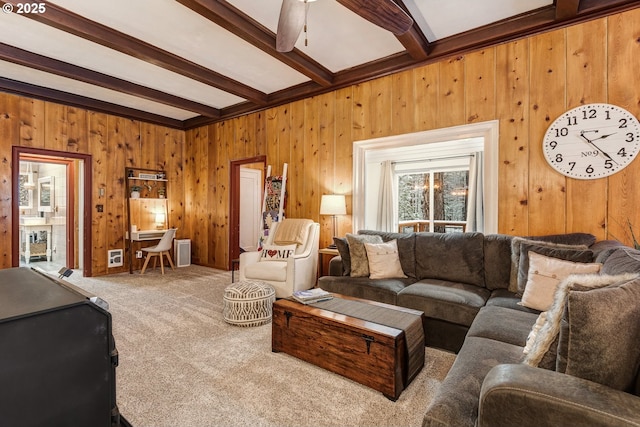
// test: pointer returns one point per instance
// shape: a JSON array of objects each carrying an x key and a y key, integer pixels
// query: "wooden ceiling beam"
[
  {"x": 250, "y": 30},
  {"x": 64, "y": 69},
  {"x": 60, "y": 97},
  {"x": 415, "y": 43},
  {"x": 70, "y": 22},
  {"x": 566, "y": 8}
]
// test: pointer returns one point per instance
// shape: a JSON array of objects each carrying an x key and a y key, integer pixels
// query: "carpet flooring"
[{"x": 182, "y": 365}]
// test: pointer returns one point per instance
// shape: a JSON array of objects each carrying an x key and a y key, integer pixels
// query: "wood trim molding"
[
  {"x": 234, "y": 204},
  {"x": 53, "y": 156}
]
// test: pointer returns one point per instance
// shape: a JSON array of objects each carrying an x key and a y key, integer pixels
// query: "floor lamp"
[{"x": 333, "y": 204}]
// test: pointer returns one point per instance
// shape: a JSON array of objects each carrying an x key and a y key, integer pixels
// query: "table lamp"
[
  {"x": 160, "y": 219},
  {"x": 333, "y": 204}
]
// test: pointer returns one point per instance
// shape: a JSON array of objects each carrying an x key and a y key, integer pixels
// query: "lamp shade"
[{"x": 333, "y": 204}]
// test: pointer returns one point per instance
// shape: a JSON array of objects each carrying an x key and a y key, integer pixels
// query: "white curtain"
[
  {"x": 475, "y": 198},
  {"x": 387, "y": 203}
]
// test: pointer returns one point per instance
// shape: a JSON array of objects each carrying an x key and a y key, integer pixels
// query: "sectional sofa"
[{"x": 583, "y": 353}]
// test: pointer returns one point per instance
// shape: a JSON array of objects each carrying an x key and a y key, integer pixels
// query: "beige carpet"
[{"x": 182, "y": 365}]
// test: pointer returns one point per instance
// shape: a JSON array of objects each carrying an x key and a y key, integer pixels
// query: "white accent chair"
[
  {"x": 297, "y": 272},
  {"x": 158, "y": 250}
]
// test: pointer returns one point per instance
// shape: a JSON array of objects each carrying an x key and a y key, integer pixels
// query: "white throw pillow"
[
  {"x": 545, "y": 273},
  {"x": 384, "y": 261},
  {"x": 277, "y": 252}
]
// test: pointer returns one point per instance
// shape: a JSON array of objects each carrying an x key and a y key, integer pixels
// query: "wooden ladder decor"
[{"x": 273, "y": 202}]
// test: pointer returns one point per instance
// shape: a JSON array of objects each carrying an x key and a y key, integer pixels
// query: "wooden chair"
[{"x": 158, "y": 250}]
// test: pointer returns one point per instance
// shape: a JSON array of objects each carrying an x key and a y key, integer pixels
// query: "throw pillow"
[
  {"x": 545, "y": 273},
  {"x": 384, "y": 261},
  {"x": 277, "y": 252},
  {"x": 519, "y": 270},
  {"x": 343, "y": 249},
  {"x": 358, "y": 254},
  {"x": 547, "y": 337},
  {"x": 601, "y": 339}
]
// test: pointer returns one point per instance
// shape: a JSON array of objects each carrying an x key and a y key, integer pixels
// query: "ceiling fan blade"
[
  {"x": 290, "y": 24},
  {"x": 383, "y": 13}
]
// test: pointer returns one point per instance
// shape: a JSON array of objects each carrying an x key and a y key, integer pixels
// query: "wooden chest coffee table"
[{"x": 352, "y": 337}]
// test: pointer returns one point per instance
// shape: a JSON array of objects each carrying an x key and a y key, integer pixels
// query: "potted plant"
[
  {"x": 135, "y": 191},
  {"x": 162, "y": 192}
]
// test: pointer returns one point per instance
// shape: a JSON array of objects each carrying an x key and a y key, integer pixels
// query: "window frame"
[{"x": 488, "y": 130}]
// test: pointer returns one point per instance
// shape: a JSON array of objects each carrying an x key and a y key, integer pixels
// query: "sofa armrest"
[{"x": 525, "y": 396}]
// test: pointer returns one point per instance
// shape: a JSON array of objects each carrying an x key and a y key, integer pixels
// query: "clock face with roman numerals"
[{"x": 592, "y": 141}]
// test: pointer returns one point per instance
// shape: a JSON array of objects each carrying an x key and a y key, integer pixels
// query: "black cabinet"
[{"x": 58, "y": 359}]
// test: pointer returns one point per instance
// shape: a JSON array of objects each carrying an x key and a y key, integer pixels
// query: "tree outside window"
[{"x": 437, "y": 201}]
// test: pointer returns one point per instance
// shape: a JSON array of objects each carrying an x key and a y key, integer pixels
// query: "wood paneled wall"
[
  {"x": 113, "y": 143},
  {"x": 524, "y": 84}
]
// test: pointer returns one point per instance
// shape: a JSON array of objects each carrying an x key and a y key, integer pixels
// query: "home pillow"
[
  {"x": 277, "y": 252},
  {"x": 519, "y": 270},
  {"x": 545, "y": 273},
  {"x": 600, "y": 333},
  {"x": 343, "y": 249},
  {"x": 546, "y": 340},
  {"x": 575, "y": 254},
  {"x": 384, "y": 261},
  {"x": 358, "y": 254}
]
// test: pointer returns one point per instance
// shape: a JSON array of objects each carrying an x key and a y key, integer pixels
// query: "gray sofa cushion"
[
  {"x": 508, "y": 299},
  {"x": 406, "y": 248},
  {"x": 381, "y": 290},
  {"x": 622, "y": 260},
  {"x": 456, "y": 403},
  {"x": 456, "y": 257},
  {"x": 503, "y": 324},
  {"x": 497, "y": 261},
  {"x": 440, "y": 299}
]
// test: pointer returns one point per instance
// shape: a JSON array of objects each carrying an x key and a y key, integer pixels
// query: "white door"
[{"x": 250, "y": 207}]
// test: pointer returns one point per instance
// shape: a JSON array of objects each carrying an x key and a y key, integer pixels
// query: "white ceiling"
[{"x": 338, "y": 40}]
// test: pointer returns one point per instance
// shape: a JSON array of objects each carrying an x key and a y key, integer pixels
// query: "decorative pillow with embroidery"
[
  {"x": 277, "y": 252},
  {"x": 545, "y": 273},
  {"x": 520, "y": 247},
  {"x": 384, "y": 261}
]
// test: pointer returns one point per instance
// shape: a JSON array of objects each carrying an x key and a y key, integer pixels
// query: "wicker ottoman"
[{"x": 248, "y": 303}]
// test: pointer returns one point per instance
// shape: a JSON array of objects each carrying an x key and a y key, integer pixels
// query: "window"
[
  {"x": 435, "y": 152},
  {"x": 433, "y": 201}
]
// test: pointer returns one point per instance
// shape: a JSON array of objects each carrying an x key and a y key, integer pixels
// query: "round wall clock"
[{"x": 592, "y": 141}]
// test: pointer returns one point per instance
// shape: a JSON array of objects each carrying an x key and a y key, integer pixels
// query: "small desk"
[
  {"x": 141, "y": 236},
  {"x": 326, "y": 251}
]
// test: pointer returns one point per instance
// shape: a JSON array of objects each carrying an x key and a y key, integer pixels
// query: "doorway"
[
  {"x": 245, "y": 185},
  {"x": 51, "y": 200}
]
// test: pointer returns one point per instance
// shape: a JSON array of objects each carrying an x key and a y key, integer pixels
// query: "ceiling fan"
[{"x": 383, "y": 13}]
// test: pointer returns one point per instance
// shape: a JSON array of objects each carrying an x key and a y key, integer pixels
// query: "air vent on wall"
[{"x": 115, "y": 258}]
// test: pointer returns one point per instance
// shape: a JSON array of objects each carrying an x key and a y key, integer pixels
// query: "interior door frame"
[
  {"x": 53, "y": 156},
  {"x": 234, "y": 204}
]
